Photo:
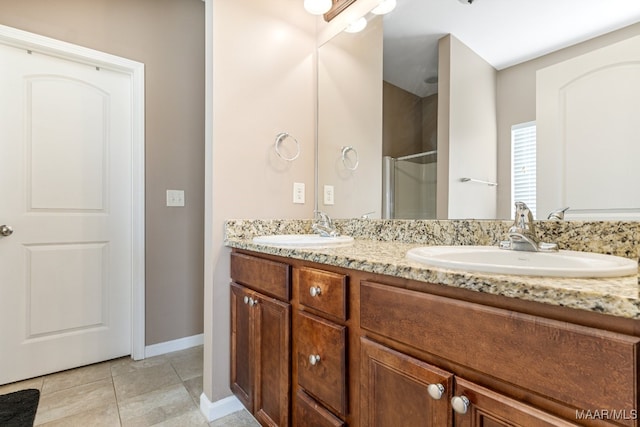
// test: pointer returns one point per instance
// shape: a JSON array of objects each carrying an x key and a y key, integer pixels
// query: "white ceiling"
[{"x": 503, "y": 32}]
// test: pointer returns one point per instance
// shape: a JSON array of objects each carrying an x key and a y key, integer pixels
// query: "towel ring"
[
  {"x": 281, "y": 137},
  {"x": 345, "y": 158}
]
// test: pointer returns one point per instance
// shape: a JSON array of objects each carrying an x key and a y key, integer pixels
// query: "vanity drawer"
[
  {"x": 324, "y": 377},
  {"x": 269, "y": 277},
  {"x": 580, "y": 366},
  {"x": 309, "y": 413},
  {"x": 323, "y": 290}
]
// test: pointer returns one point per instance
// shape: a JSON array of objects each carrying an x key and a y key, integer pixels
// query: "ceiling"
[{"x": 503, "y": 32}]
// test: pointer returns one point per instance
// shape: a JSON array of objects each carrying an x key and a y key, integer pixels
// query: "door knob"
[{"x": 5, "y": 230}]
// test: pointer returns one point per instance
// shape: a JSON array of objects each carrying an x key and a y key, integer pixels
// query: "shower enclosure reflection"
[{"x": 409, "y": 186}]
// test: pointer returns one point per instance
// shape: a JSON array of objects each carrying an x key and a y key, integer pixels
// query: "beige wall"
[
  {"x": 516, "y": 95},
  {"x": 263, "y": 83},
  {"x": 466, "y": 132},
  {"x": 168, "y": 37},
  {"x": 350, "y": 114}
]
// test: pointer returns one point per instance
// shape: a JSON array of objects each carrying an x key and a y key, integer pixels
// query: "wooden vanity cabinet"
[
  {"x": 320, "y": 347},
  {"x": 332, "y": 347},
  {"x": 260, "y": 338},
  {"x": 525, "y": 370}
]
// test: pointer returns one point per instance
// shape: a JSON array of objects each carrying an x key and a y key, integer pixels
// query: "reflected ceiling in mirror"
[{"x": 503, "y": 32}]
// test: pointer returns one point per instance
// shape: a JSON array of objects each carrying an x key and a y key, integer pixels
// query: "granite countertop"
[{"x": 613, "y": 296}]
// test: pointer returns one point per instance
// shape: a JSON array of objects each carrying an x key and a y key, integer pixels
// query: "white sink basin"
[
  {"x": 303, "y": 241},
  {"x": 490, "y": 259}
]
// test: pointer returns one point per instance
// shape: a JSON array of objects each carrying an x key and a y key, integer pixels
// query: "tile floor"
[{"x": 158, "y": 391}]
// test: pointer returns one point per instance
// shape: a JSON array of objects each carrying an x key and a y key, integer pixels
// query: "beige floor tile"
[
  {"x": 72, "y": 401},
  {"x": 144, "y": 381},
  {"x": 105, "y": 416},
  {"x": 156, "y": 407},
  {"x": 188, "y": 363},
  {"x": 194, "y": 387},
  {"x": 22, "y": 385},
  {"x": 237, "y": 419},
  {"x": 75, "y": 377},
  {"x": 126, "y": 365},
  {"x": 193, "y": 418}
]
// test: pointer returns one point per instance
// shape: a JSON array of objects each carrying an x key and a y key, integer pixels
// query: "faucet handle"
[{"x": 558, "y": 214}]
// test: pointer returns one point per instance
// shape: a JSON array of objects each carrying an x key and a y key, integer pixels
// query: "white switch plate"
[
  {"x": 298, "y": 192},
  {"x": 328, "y": 195},
  {"x": 175, "y": 197}
]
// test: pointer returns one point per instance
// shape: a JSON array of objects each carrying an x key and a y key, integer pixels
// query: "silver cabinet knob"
[
  {"x": 314, "y": 359},
  {"x": 436, "y": 391},
  {"x": 5, "y": 230},
  {"x": 246, "y": 299},
  {"x": 315, "y": 291},
  {"x": 460, "y": 404},
  {"x": 253, "y": 302}
]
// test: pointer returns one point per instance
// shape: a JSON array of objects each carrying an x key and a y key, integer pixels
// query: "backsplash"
[{"x": 621, "y": 238}]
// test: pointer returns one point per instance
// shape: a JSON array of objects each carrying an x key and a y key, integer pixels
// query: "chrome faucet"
[
  {"x": 523, "y": 235},
  {"x": 323, "y": 225}
]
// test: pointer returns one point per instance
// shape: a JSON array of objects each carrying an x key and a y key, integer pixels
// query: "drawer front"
[
  {"x": 310, "y": 413},
  {"x": 269, "y": 277},
  {"x": 584, "y": 367},
  {"x": 322, "y": 290},
  {"x": 324, "y": 378}
]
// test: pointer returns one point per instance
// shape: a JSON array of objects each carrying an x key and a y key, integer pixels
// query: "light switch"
[
  {"x": 328, "y": 195},
  {"x": 175, "y": 198},
  {"x": 298, "y": 192}
]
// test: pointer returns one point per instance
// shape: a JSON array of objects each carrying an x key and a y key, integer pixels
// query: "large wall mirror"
[{"x": 415, "y": 123}]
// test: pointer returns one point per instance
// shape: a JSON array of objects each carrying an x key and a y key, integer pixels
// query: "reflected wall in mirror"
[
  {"x": 349, "y": 126},
  {"x": 513, "y": 102}
]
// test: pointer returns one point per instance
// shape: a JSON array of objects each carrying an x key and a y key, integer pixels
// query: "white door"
[{"x": 65, "y": 190}]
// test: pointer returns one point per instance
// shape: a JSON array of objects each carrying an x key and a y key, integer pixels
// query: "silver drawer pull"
[
  {"x": 314, "y": 291},
  {"x": 314, "y": 359},
  {"x": 460, "y": 404}
]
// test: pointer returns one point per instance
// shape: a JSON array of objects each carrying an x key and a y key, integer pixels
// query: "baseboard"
[
  {"x": 220, "y": 408},
  {"x": 175, "y": 345}
]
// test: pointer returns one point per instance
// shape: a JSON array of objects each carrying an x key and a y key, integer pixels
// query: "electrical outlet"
[
  {"x": 175, "y": 198},
  {"x": 328, "y": 195},
  {"x": 298, "y": 192}
]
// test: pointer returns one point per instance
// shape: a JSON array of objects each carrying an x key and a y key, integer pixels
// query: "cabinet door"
[
  {"x": 486, "y": 408},
  {"x": 242, "y": 372},
  {"x": 272, "y": 319},
  {"x": 395, "y": 389}
]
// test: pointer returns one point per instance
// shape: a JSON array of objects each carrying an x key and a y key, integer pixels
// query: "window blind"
[{"x": 523, "y": 167}]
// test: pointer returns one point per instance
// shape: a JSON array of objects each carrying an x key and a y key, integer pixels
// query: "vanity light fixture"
[
  {"x": 357, "y": 25},
  {"x": 317, "y": 7},
  {"x": 384, "y": 7}
]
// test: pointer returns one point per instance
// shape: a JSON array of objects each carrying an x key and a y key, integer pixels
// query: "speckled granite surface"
[{"x": 381, "y": 245}]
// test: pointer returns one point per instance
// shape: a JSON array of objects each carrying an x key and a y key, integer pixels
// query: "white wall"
[
  {"x": 261, "y": 82},
  {"x": 467, "y": 137}
]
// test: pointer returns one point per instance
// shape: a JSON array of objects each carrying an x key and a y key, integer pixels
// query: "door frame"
[{"x": 33, "y": 42}]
